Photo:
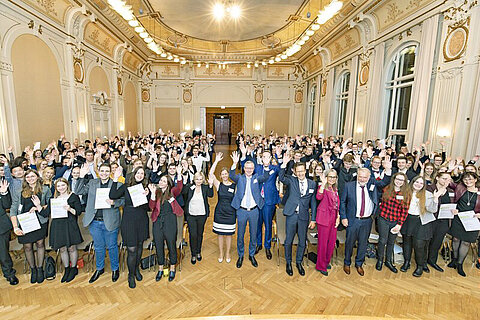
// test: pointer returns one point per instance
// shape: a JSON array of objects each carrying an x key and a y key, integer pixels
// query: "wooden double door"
[{"x": 222, "y": 128}]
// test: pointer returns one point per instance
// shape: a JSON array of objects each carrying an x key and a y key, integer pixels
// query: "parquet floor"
[{"x": 210, "y": 289}]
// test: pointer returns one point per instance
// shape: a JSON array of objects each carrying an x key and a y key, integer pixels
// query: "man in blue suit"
[
  {"x": 247, "y": 201},
  {"x": 269, "y": 192},
  {"x": 358, "y": 203},
  {"x": 301, "y": 200}
]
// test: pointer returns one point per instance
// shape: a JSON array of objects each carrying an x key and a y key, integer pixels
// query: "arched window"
[
  {"x": 312, "y": 99},
  {"x": 399, "y": 92},
  {"x": 341, "y": 102}
]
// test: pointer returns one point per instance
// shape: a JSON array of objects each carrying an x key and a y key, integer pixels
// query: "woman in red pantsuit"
[{"x": 327, "y": 219}]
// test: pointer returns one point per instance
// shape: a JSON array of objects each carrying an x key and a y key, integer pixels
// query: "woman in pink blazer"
[{"x": 327, "y": 219}]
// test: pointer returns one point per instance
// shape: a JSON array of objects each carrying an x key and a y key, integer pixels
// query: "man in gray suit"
[
  {"x": 301, "y": 199},
  {"x": 103, "y": 224}
]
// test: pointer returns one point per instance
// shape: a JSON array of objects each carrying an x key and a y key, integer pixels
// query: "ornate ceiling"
[{"x": 187, "y": 27}]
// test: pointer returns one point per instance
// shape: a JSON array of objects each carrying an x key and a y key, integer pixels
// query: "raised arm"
[{"x": 211, "y": 173}]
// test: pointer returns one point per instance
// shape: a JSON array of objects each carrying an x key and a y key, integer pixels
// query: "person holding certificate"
[
  {"x": 102, "y": 217},
  {"x": 134, "y": 225},
  {"x": 417, "y": 228},
  {"x": 165, "y": 210},
  {"x": 440, "y": 226},
  {"x": 29, "y": 223},
  {"x": 65, "y": 234},
  {"x": 467, "y": 198},
  {"x": 393, "y": 212}
]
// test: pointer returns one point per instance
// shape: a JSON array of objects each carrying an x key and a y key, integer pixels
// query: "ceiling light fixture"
[
  {"x": 221, "y": 9},
  {"x": 133, "y": 23}
]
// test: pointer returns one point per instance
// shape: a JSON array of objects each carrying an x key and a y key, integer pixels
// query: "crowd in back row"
[{"x": 321, "y": 183}]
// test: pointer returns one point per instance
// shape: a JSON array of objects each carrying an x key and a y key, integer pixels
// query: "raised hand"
[
  {"x": 219, "y": 157},
  {"x": 235, "y": 157},
  {"x": 4, "y": 186},
  {"x": 118, "y": 173},
  {"x": 286, "y": 158},
  {"x": 35, "y": 200},
  {"x": 152, "y": 188},
  {"x": 84, "y": 169},
  {"x": 440, "y": 192}
]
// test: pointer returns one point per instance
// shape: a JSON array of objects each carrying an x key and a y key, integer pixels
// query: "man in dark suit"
[
  {"x": 247, "y": 200},
  {"x": 5, "y": 227},
  {"x": 358, "y": 203},
  {"x": 300, "y": 201}
]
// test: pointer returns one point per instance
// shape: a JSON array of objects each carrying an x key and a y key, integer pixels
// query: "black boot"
[
  {"x": 418, "y": 271},
  {"x": 33, "y": 275},
  {"x": 131, "y": 281},
  {"x": 452, "y": 264},
  {"x": 379, "y": 265},
  {"x": 391, "y": 266},
  {"x": 40, "y": 275},
  {"x": 138, "y": 275},
  {"x": 65, "y": 274},
  {"x": 405, "y": 266},
  {"x": 72, "y": 274},
  {"x": 460, "y": 270}
]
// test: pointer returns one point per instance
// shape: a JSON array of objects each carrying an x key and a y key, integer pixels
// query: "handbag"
[{"x": 148, "y": 262}]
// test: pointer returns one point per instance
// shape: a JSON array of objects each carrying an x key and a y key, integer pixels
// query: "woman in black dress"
[
  {"x": 224, "y": 217},
  {"x": 33, "y": 197},
  {"x": 64, "y": 232},
  {"x": 415, "y": 234},
  {"x": 439, "y": 226},
  {"x": 134, "y": 226},
  {"x": 467, "y": 199}
]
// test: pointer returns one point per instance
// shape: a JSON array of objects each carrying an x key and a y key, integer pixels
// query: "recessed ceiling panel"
[{"x": 195, "y": 17}]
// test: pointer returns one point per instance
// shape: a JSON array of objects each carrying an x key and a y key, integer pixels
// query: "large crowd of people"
[{"x": 322, "y": 184}]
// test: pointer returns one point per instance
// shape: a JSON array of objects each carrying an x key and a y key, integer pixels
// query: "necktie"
[
  {"x": 248, "y": 193},
  {"x": 302, "y": 189},
  {"x": 362, "y": 207}
]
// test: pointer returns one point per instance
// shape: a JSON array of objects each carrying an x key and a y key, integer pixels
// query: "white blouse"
[
  {"x": 414, "y": 208},
  {"x": 197, "y": 206}
]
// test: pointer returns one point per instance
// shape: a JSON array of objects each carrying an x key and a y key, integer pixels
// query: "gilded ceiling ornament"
[
  {"x": 393, "y": 13},
  {"x": 48, "y": 5},
  {"x": 456, "y": 40}
]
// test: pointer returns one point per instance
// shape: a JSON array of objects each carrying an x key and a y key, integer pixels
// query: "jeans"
[{"x": 103, "y": 240}]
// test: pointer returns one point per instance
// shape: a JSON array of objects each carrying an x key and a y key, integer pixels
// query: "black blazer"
[
  {"x": 188, "y": 191},
  {"x": 5, "y": 203}
]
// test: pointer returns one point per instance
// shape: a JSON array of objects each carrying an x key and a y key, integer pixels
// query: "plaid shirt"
[{"x": 394, "y": 209}]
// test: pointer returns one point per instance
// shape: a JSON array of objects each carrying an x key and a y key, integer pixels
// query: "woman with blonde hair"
[
  {"x": 197, "y": 211},
  {"x": 224, "y": 218},
  {"x": 65, "y": 234},
  {"x": 327, "y": 219},
  {"x": 417, "y": 230},
  {"x": 33, "y": 197}
]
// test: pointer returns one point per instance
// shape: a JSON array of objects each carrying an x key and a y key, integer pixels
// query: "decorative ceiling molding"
[{"x": 54, "y": 9}]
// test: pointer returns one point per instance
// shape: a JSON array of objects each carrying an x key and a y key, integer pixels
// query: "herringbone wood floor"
[{"x": 210, "y": 288}]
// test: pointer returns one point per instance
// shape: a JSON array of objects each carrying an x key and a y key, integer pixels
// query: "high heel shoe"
[{"x": 460, "y": 270}]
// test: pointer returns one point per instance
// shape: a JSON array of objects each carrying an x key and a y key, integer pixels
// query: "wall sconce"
[
  {"x": 257, "y": 127},
  {"x": 320, "y": 128},
  {"x": 122, "y": 127},
  {"x": 359, "y": 130},
  {"x": 443, "y": 133},
  {"x": 187, "y": 127}
]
